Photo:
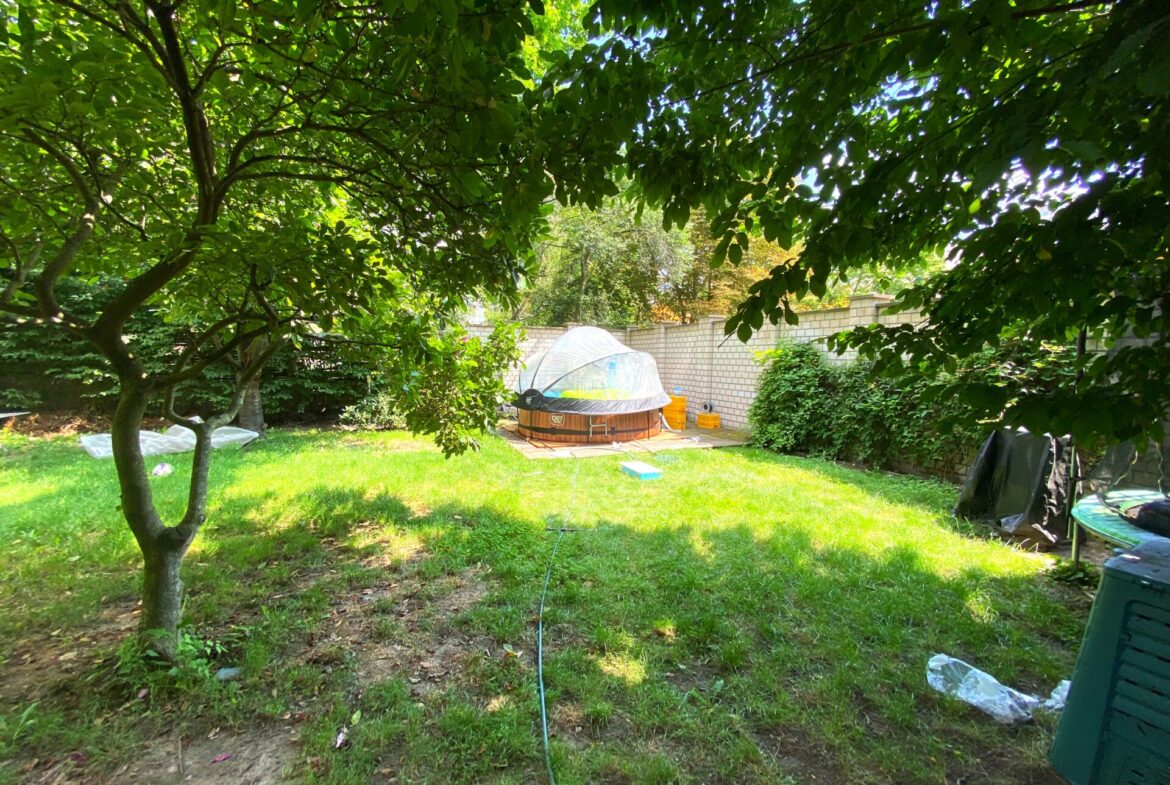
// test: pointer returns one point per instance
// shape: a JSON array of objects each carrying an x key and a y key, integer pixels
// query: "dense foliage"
[
  {"x": 1029, "y": 141},
  {"x": 617, "y": 266},
  {"x": 297, "y": 171},
  {"x": 42, "y": 369},
  {"x": 850, "y": 412},
  {"x": 604, "y": 267},
  {"x": 374, "y": 412}
]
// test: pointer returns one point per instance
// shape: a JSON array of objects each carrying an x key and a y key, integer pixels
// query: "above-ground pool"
[{"x": 590, "y": 388}]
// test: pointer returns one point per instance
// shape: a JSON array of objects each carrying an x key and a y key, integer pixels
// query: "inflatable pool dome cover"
[{"x": 588, "y": 371}]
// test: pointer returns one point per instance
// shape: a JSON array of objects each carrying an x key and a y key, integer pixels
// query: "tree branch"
[
  {"x": 198, "y": 130},
  {"x": 21, "y": 266},
  {"x": 143, "y": 46},
  {"x": 201, "y": 147},
  {"x": 193, "y": 518},
  {"x": 239, "y": 339}
]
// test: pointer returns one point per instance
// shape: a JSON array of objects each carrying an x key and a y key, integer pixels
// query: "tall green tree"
[
  {"x": 605, "y": 266},
  {"x": 267, "y": 174},
  {"x": 1027, "y": 141}
]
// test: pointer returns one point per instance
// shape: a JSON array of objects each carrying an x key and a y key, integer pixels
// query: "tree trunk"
[
  {"x": 162, "y": 597},
  {"x": 162, "y": 546},
  {"x": 581, "y": 289},
  {"x": 251, "y": 414},
  {"x": 252, "y": 410}
]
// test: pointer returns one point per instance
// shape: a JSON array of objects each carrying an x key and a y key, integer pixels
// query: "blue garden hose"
[
  {"x": 552, "y": 780},
  {"x": 560, "y": 530}
]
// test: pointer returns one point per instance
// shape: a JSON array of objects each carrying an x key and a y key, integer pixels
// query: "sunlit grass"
[{"x": 747, "y": 618}]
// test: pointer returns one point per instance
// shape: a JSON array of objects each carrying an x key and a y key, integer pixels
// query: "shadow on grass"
[
  {"x": 742, "y": 653},
  {"x": 725, "y": 655}
]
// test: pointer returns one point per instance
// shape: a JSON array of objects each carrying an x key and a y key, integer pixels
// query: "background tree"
[
  {"x": 704, "y": 287},
  {"x": 1027, "y": 141},
  {"x": 604, "y": 267},
  {"x": 311, "y": 164},
  {"x": 616, "y": 268}
]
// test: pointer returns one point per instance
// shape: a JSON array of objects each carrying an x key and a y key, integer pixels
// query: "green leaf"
[{"x": 27, "y": 29}]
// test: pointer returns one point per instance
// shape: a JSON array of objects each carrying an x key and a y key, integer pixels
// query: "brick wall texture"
[{"x": 698, "y": 361}]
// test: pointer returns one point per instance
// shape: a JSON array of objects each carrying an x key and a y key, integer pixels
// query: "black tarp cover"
[{"x": 1020, "y": 482}]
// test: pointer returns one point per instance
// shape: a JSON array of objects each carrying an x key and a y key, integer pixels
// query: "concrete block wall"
[
  {"x": 536, "y": 340},
  {"x": 706, "y": 366}
]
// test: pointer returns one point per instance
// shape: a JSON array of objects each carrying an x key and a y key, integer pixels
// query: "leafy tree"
[
  {"x": 1028, "y": 142},
  {"x": 303, "y": 168},
  {"x": 604, "y": 266},
  {"x": 702, "y": 287},
  {"x": 557, "y": 29},
  {"x": 615, "y": 268},
  {"x": 46, "y": 368}
]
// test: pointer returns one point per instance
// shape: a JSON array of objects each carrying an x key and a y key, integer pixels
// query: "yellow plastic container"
[
  {"x": 678, "y": 402},
  {"x": 709, "y": 421}
]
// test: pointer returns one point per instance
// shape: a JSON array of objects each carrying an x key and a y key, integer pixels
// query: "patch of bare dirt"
[
  {"x": 568, "y": 722},
  {"x": 71, "y": 423},
  {"x": 1016, "y": 761},
  {"x": 407, "y": 629},
  {"x": 268, "y": 756},
  {"x": 793, "y": 752},
  {"x": 260, "y": 757},
  {"x": 697, "y": 676},
  {"x": 45, "y": 664},
  {"x": 1093, "y": 551},
  {"x": 993, "y": 771}
]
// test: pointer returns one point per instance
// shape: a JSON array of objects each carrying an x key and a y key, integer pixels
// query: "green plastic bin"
[{"x": 1115, "y": 727}]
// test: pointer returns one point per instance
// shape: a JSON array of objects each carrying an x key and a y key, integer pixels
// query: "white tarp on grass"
[{"x": 173, "y": 439}]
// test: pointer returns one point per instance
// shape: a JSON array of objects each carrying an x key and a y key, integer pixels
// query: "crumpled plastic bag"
[
  {"x": 1058, "y": 698},
  {"x": 958, "y": 679}
]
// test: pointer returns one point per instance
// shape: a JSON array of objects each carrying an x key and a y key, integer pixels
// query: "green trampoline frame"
[{"x": 1092, "y": 515}]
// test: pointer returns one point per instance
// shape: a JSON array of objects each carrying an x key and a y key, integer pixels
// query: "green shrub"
[
  {"x": 374, "y": 412},
  {"x": 793, "y": 410},
  {"x": 850, "y": 413},
  {"x": 48, "y": 370}
]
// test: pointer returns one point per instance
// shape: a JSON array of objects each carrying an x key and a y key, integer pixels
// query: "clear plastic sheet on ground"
[
  {"x": 960, "y": 680},
  {"x": 172, "y": 440}
]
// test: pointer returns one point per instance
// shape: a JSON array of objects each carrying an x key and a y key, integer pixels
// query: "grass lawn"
[{"x": 748, "y": 618}]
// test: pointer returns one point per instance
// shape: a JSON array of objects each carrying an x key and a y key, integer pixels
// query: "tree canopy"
[
  {"x": 616, "y": 266},
  {"x": 284, "y": 172},
  {"x": 1027, "y": 142},
  {"x": 603, "y": 267}
]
